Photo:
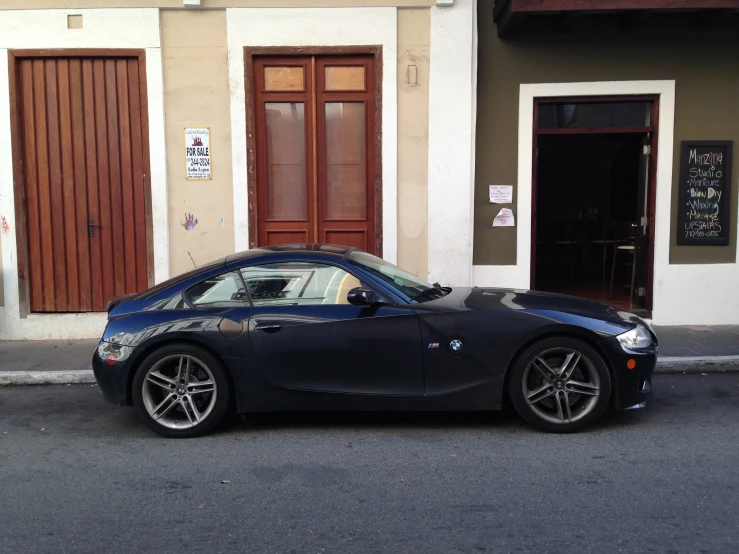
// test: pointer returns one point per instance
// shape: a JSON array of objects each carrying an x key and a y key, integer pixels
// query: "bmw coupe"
[{"x": 325, "y": 327}]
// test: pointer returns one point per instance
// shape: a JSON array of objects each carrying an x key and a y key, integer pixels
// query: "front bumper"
[
  {"x": 631, "y": 388},
  {"x": 111, "y": 366}
]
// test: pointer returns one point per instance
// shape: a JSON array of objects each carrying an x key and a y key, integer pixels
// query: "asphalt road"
[{"x": 78, "y": 475}]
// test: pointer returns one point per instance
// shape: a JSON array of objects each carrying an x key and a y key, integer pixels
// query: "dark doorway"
[{"x": 592, "y": 202}]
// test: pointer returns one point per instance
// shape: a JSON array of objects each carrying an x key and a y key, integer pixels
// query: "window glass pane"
[
  {"x": 346, "y": 193},
  {"x": 174, "y": 303},
  {"x": 222, "y": 290},
  {"x": 286, "y": 184},
  {"x": 297, "y": 284},
  {"x": 595, "y": 114},
  {"x": 180, "y": 278}
]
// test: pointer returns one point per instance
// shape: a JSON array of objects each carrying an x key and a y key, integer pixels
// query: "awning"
[{"x": 511, "y": 15}]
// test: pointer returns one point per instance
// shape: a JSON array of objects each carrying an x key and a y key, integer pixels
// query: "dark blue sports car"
[{"x": 324, "y": 327}]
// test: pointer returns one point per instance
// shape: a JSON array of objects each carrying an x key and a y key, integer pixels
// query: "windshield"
[{"x": 402, "y": 281}]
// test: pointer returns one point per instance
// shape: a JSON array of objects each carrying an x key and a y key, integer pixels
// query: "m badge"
[{"x": 434, "y": 345}]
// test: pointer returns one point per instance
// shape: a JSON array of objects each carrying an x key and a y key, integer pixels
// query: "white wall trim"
[
  {"x": 314, "y": 27},
  {"x": 7, "y": 196},
  {"x": 719, "y": 303},
  {"x": 158, "y": 163},
  {"x": 473, "y": 149},
  {"x": 102, "y": 28},
  {"x": 452, "y": 94},
  {"x": 519, "y": 275}
]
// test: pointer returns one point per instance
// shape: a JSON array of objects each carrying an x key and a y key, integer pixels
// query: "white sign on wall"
[
  {"x": 501, "y": 194},
  {"x": 197, "y": 153},
  {"x": 504, "y": 218}
]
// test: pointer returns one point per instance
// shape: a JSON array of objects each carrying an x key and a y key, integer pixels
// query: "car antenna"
[{"x": 193, "y": 261}]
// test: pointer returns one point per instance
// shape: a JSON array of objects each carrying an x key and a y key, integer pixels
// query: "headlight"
[{"x": 638, "y": 338}]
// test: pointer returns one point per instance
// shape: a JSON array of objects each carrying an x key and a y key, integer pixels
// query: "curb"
[
  {"x": 8, "y": 378},
  {"x": 696, "y": 364},
  {"x": 665, "y": 364}
]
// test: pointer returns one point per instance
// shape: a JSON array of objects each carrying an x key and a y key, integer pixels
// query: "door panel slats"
[
  {"x": 114, "y": 176},
  {"x": 80, "y": 185},
  {"x": 31, "y": 182},
  {"x": 69, "y": 207},
  {"x": 44, "y": 203},
  {"x": 55, "y": 186},
  {"x": 82, "y": 123},
  {"x": 91, "y": 166},
  {"x": 137, "y": 164}
]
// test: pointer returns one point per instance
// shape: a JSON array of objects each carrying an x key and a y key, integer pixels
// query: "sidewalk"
[
  {"x": 27, "y": 362},
  {"x": 700, "y": 341},
  {"x": 685, "y": 348},
  {"x": 698, "y": 348}
]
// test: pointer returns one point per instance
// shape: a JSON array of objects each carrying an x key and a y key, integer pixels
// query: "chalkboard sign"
[{"x": 704, "y": 190}]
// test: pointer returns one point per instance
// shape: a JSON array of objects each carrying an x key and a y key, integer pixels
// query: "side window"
[
  {"x": 176, "y": 302},
  {"x": 219, "y": 291},
  {"x": 297, "y": 283}
]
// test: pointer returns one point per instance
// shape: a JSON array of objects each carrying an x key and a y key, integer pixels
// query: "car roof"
[{"x": 333, "y": 250}]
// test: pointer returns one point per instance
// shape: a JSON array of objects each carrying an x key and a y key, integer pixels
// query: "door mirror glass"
[{"x": 361, "y": 297}]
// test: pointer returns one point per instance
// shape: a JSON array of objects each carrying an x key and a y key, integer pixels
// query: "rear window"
[{"x": 156, "y": 289}]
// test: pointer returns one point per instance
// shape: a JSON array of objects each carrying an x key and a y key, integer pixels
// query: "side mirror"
[{"x": 361, "y": 297}]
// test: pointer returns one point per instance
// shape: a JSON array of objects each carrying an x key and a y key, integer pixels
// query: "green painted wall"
[{"x": 704, "y": 64}]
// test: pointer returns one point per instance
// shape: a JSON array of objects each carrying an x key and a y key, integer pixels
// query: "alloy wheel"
[
  {"x": 561, "y": 385},
  {"x": 179, "y": 391}
]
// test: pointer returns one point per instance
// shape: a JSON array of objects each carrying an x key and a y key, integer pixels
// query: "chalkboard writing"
[{"x": 704, "y": 189}]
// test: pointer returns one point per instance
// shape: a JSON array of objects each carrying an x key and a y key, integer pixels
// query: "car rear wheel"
[
  {"x": 560, "y": 384},
  {"x": 181, "y": 391}
]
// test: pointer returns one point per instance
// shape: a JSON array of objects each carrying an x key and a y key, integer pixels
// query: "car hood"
[{"x": 558, "y": 307}]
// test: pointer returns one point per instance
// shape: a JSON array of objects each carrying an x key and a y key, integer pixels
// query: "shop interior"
[{"x": 588, "y": 188}]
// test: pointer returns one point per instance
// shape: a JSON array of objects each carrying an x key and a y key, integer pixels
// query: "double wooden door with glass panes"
[{"x": 315, "y": 150}]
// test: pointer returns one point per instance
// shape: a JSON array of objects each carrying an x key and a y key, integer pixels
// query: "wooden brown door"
[
  {"x": 83, "y": 148},
  {"x": 315, "y": 121}
]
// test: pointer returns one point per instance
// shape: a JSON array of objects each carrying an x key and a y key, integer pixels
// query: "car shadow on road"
[{"x": 504, "y": 422}]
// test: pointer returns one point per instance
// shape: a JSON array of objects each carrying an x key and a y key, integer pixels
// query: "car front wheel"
[
  {"x": 181, "y": 391},
  {"x": 560, "y": 384}
]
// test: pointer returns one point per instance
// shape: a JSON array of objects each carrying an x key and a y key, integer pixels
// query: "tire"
[
  {"x": 555, "y": 396},
  {"x": 176, "y": 402}
]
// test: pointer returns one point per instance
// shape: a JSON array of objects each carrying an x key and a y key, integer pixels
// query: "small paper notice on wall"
[
  {"x": 504, "y": 218},
  {"x": 197, "y": 153},
  {"x": 501, "y": 194}
]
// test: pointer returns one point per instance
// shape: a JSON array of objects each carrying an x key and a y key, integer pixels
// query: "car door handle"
[{"x": 269, "y": 327}]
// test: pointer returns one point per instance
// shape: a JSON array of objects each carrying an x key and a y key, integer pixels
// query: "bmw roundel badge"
[{"x": 455, "y": 345}]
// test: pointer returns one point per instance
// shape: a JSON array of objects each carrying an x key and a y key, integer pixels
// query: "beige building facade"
[
  {"x": 376, "y": 123},
  {"x": 96, "y": 97}
]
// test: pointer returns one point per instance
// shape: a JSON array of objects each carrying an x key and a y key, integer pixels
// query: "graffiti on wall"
[{"x": 190, "y": 222}]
